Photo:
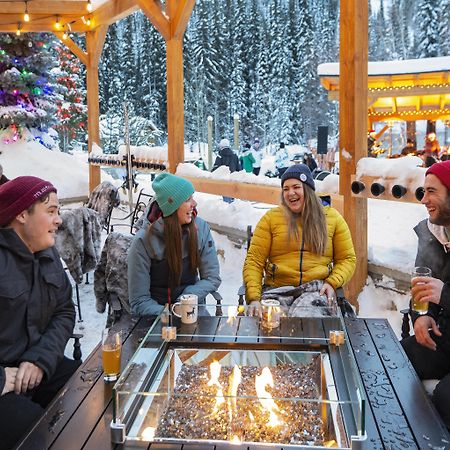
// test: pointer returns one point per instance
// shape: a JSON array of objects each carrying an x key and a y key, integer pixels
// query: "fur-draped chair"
[{"x": 103, "y": 199}]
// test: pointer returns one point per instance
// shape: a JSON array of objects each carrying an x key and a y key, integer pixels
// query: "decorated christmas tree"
[
  {"x": 27, "y": 89},
  {"x": 72, "y": 109}
]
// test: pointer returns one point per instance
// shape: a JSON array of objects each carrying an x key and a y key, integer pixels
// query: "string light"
[
  {"x": 89, "y": 6},
  {"x": 422, "y": 87},
  {"x": 64, "y": 36},
  {"x": 57, "y": 23},
  {"x": 26, "y": 16},
  {"x": 19, "y": 26},
  {"x": 88, "y": 21}
]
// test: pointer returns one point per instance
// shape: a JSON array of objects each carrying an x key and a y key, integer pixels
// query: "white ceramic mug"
[{"x": 188, "y": 307}]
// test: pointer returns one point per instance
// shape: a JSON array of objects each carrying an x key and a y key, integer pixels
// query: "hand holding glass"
[
  {"x": 418, "y": 306},
  {"x": 111, "y": 353}
]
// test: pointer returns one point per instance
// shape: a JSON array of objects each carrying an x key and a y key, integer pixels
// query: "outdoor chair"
[
  {"x": 135, "y": 216},
  {"x": 103, "y": 199}
]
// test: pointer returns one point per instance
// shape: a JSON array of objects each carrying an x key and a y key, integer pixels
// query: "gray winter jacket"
[
  {"x": 37, "y": 314},
  {"x": 141, "y": 257}
]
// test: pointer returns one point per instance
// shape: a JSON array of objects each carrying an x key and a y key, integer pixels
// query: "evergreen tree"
[
  {"x": 72, "y": 109},
  {"x": 27, "y": 88},
  {"x": 427, "y": 24},
  {"x": 444, "y": 28}
]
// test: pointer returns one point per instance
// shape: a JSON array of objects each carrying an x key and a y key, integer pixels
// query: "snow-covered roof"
[{"x": 407, "y": 66}]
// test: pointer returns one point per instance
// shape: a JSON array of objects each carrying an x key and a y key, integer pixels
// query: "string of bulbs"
[{"x": 58, "y": 26}]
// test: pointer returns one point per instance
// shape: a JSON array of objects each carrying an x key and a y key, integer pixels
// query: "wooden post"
[
  {"x": 175, "y": 102},
  {"x": 94, "y": 45},
  {"x": 210, "y": 142},
  {"x": 352, "y": 126}
]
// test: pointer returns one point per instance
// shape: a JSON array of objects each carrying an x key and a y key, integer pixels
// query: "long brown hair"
[
  {"x": 173, "y": 239},
  {"x": 312, "y": 217}
]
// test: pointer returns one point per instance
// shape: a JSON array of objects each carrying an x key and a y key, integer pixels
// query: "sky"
[{"x": 392, "y": 242}]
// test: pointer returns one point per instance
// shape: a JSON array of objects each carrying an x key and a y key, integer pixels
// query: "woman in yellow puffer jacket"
[{"x": 298, "y": 242}]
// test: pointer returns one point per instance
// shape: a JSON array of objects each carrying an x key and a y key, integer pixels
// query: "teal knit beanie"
[{"x": 171, "y": 191}]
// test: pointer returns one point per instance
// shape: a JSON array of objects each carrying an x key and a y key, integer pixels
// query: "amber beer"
[
  {"x": 111, "y": 353},
  {"x": 417, "y": 306}
]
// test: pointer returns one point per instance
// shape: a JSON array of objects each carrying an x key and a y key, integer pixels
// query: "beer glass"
[
  {"x": 417, "y": 306},
  {"x": 111, "y": 353}
]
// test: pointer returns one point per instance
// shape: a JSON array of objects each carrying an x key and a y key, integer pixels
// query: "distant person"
[
  {"x": 409, "y": 148},
  {"x": 257, "y": 155},
  {"x": 3, "y": 178},
  {"x": 227, "y": 157},
  {"x": 432, "y": 147},
  {"x": 246, "y": 159},
  {"x": 173, "y": 253},
  {"x": 429, "y": 348},
  {"x": 37, "y": 315},
  {"x": 309, "y": 160},
  {"x": 282, "y": 159}
]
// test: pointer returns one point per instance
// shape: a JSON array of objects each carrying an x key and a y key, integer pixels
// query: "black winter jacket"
[
  {"x": 227, "y": 157},
  {"x": 37, "y": 314},
  {"x": 431, "y": 254}
]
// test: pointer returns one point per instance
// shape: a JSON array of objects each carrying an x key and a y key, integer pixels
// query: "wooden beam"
[
  {"x": 113, "y": 11},
  {"x": 179, "y": 22},
  {"x": 80, "y": 54},
  {"x": 252, "y": 192},
  {"x": 352, "y": 126},
  {"x": 45, "y": 7},
  {"x": 154, "y": 10},
  {"x": 175, "y": 102},
  {"x": 94, "y": 44}
]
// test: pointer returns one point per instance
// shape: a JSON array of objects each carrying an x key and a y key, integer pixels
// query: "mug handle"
[{"x": 173, "y": 309}]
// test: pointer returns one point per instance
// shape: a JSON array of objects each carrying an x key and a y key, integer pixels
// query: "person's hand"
[
  {"x": 10, "y": 375},
  {"x": 427, "y": 289},
  {"x": 328, "y": 291},
  {"x": 254, "y": 308},
  {"x": 422, "y": 327},
  {"x": 28, "y": 377}
]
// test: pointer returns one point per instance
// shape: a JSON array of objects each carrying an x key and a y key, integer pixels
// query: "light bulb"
[
  {"x": 57, "y": 23},
  {"x": 26, "y": 16},
  {"x": 64, "y": 36},
  {"x": 89, "y": 6},
  {"x": 18, "y": 29}
]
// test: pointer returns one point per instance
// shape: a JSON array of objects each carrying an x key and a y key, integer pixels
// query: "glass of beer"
[
  {"x": 111, "y": 353},
  {"x": 417, "y": 306}
]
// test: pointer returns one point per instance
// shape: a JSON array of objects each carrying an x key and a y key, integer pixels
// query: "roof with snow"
[{"x": 411, "y": 89}]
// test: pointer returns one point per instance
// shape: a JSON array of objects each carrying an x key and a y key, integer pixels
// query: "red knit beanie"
[
  {"x": 19, "y": 194},
  {"x": 442, "y": 171}
]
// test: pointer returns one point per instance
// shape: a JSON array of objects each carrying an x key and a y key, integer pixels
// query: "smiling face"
[
  {"x": 185, "y": 211},
  {"x": 293, "y": 195},
  {"x": 37, "y": 226},
  {"x": 437, "y": 201}
]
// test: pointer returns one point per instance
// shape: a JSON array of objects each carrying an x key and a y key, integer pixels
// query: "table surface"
[{"x": 399, "y": 416}]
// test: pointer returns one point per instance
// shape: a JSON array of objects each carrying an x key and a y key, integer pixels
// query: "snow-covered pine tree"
[
  {"x": 27, "y": 88},
  {"x": 379, "y": 45},
  {"x": 444, "y": 28},
  {"x": 72, "y": 109},
  {"x": 427, "y": 26}
]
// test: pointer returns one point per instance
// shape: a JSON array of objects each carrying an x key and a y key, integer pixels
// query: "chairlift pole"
[
  {"x": 129, "y": 161},
  {"x": 210, "y": 142}
]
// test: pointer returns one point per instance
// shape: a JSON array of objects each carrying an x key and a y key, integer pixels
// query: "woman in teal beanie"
[{"x": 173, "y": 253}]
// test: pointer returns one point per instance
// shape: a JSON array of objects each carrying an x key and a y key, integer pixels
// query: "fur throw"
[
  {"x": 78, "y": 241},
  {"x": 301, "y": 301},
  {"x": 103, "y": 199},
  {"x": 110, "y": 276}
]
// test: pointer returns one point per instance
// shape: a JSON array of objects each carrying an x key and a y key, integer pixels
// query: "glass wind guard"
[{"x": 229, "y": 378}]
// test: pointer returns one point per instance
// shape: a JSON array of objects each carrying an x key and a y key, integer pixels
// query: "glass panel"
[{"x": 168, "y": 393}]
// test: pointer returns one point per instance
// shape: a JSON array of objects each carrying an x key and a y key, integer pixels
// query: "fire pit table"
[{"x": 233, "y": 379}]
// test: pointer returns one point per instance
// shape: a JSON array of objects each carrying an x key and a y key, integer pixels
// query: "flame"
[
  {"x": 232, "y": 314},
  {"x": 265, "y": 398},
  {"x": 252, "y": 417},
  {"x": 148, "y": 434},
  {"x": 215, "y": 369},
  {"x": 235, "y": 440},
  {"x": 235, "y": 379}
]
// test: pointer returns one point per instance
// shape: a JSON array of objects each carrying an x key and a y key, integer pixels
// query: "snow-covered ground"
[{"x": 392, "y": 242}]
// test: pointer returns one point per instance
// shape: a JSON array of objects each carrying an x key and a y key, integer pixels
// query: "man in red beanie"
[
  {"x": 429, "y": 348},
  {"x": 37, "y": 315}
]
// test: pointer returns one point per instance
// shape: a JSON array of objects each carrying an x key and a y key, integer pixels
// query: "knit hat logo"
[
  {"x": 303, "y": 177},
  {"x": 171, "y": 192}
]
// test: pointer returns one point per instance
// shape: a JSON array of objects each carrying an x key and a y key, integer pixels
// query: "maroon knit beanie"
[
  {"x": 19, "y": 194},
  {"x": 442, "y": 171}
]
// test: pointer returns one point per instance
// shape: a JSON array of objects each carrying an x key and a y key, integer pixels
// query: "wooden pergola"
[{"x": 170, "y": 18}]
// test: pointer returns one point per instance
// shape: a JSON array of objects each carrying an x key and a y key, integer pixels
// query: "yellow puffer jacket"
[{"x": 271, "y": 255}]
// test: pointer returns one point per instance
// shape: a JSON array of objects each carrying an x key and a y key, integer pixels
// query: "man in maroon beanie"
[
  {"x": 429, "y": 348},
  {"x": 37, "y": 315}
]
